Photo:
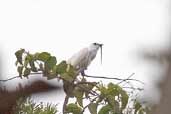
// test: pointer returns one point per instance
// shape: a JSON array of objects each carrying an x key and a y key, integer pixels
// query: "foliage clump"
[
  {"x": 28, "y": 106},
  {"x": 102, "y": 99}
]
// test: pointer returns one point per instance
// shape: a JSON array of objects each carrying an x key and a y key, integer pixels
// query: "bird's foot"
[{"x": 83, "y": 73}]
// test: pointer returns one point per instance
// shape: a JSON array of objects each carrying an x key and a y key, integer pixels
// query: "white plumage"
[{"x": 82, "y": 59}]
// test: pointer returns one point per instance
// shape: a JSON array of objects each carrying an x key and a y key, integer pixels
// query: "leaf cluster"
[
  {"x": 102, "y": 99},
  {"x": 28, "y": 106},
  {"x": 43, "y": 62}
]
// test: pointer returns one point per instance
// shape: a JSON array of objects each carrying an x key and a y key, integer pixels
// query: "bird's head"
[{"x": 96, "y": 46}]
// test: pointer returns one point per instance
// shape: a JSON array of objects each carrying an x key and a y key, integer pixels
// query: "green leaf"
[
  {"x": 124, "y": 99},
  {"x": 114, "y": 89},
  {"x": 89, "y": 87},
  {"x": 105, "y": 110},
  {"x": 68, "y": 88},
  {"x": 78, "y": 93},
  {"x": 44, "y": 56},
  {"x": 101, "y": 97},
  {"x": 16, "y": 63},
  {"x": 54, "y": 69},
  {"x": 116, "y": 108},
  {"x": 29, "y": 57},
  {"x": 51, "y": 62},
  {"x": 93, "y": 108},
  {"x": 141, "y": 111},
  {"x": 52, "y": 74},
  {"x": 147, "y": 110},
  {"x": 61, "y": 67},
  {"x": 20, "y": 70},
  {"x": 137, "y": 107},
  {"x": 114, "y": 104},
  {"x": 103, "y": 90},
  {"x": 111, "y": 100},
  {"x": 26, "y": 63},
  {"x": 66, "y": 77},
  {"x": 71, "y": 71},
  {"x": 19, "y": 55},
  {"x": 73, "y": 108},
  {"x": 41, "y": 67},
  {"x": 27, "y": 72},
  {"x": 32, "y": 65}
]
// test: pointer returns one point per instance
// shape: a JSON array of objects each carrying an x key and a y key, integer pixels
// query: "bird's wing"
[{"x": 80, "y": 59}]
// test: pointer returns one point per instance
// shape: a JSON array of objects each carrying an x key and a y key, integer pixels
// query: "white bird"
[{"x": 82, "y": 59}]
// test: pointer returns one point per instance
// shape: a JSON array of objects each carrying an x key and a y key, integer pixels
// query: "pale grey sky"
[{"x": 63, "y": 27}]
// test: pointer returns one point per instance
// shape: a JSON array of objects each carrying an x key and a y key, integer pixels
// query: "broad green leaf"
[
  {"x": 105, "y": 110},
  {"x": 113, "y": 104},
  {"x": 52, "y": 74},
  {"x": 29, "y": 57},
  {"x": 32, "y": 65},
  {"x": 51, "y": 62},
  {"x": 66, "y": 77},
  {"x": 147, "y": 110},
  {"x": 117, "y": 108},
  {"x": 101, "y": 97},
  {"x": 44, "y": 56},
  {"x": 16, "y": 63},
  {"x": 113, "y": 89},
  {"x": 141, "y": 111},
  {"x": 111, "y": 100},
  {"x": 89, "y": 88},
  {"x": 137, "y": 107},
  {"x": 19, "y": 55},
  {"x": 61, "y": 67},
  {"x": 93, "y": 108},
  {"x": 26, "y": 63},
  {"x": 73, "y": 108},
  {"x": 27, "y": 72},
  {"x": 124, "y": 99},
  {"x": 54, "y": 70},
  {"x": 71, "y": 71},
  {"x": 20, "y": 70},
  {"x": 41, "y": 67},
  {"x": 78, "y": 93},
  {"x": 68, "y": 88},
  {"x": 103, "y": 90}
]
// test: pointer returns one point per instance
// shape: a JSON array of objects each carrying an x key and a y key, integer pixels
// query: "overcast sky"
[{"x": 63, "y": 27}]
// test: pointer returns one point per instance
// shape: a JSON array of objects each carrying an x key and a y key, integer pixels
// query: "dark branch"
[
  {"x": 126, "y": 79},
  {"x": 116, "y": 78},
  {"x": 18, "y": 77},
  {"x": 103, "y": 77},
  {"x": 65, "y": 104}
]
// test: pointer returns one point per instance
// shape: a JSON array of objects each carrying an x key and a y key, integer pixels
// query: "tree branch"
[
  {"x": 19, "y": 77},
  {"x": 104, "y": 77},
  {"x": 126, "y": 79},
  {"x": 65, "y": 104}
]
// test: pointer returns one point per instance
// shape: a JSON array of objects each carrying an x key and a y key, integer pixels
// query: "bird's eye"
[{"x": 95, "y": 43}]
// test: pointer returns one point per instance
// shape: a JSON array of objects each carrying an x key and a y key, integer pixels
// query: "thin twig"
[
  {"x": 91, "y": 83},
  {"x": 88, "y": 105},
  {"x": 115, "y": 78},
  {"x": 9, "y": 79},
  {"x": 18, "y": 77},
  {"x": 126, "y": 79},
  {"x": 103, "y": 77},
  {"x": 65, "y": 104},
  {"x": 140, "y": 89}
]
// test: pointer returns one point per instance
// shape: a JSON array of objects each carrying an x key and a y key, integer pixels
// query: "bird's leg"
[{"x": 83, "y": 73}]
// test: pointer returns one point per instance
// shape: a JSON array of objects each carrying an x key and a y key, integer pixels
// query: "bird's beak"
[
  {"x": 101, "y": 51},
  {"x": 100, "y": 45}
]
